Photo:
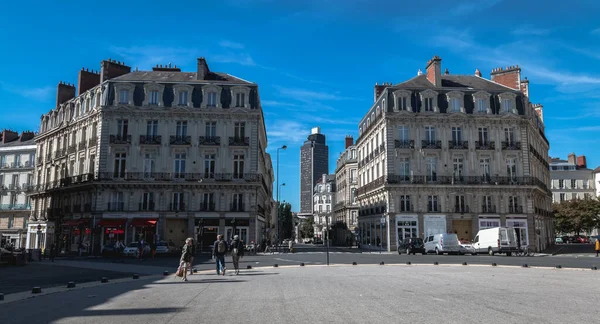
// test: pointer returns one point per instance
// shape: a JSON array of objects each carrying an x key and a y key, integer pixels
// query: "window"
[
  {"x": 238, "y": 202},
  {"x": 483, "y": 135},
  {"x": 573, "y": 184},
  {"x": 484, "y": 166},
  {"x": 122, "y": 125},
  {"x": 456, "y": 134},
  {"x": 211, "y": 99},
  {"x": 11, "y": 221},
  {"x": 481, "y": 105},
  {"x": 353, "y": 175},
  {"x": 403, "y": 103},
  {"x": 211, "y": 129},
  {"x": 432, "y": 204},
  {"x": 586, "y": 184},
  {"x": 238, "y": 166},
  {"x": 405, "y": 203},
  {"x": 459, "y": 204},
  {"x": 179, "y": 166},
  {"x": 209, "y": 166},
  {"x": 428, "y": 103},
  {"x": 181, "y": 129},
  {"x": 153, "y": 97},
  {"x": 506, "y": 105},
  {"x": 458, "y": 168},
  {"x": 178, "y": 202},
  {"x": 513, "y": 205},
  {"x": 430, "y": 134},
  {"x": 404, "y": 132},
  {"x": 511, "y": 168},
  {"x": 152, "y": 128},
  {"x": 239, "y": 130},
  {"x": 353, "y": 195},
  {"x": 562, "y": 197},
  {"x": 561, "y": 184},
  {"x": 116, "y": 201},
  {"x": 354, "y": 217},
  {"x": 208, "y": 202},
  {"x": 487, "y": 204},
  {"x": 454, "y": 104},
  {"x": 149, "y": 165},
  {"x": 240, "y": 99},
  {"x": 83, "y": 134},
  {"x": 147, "y": 201},
  {"x": 509, "y": 135},
  {"x": 431, "y": 164},
  {"x": 183, "y": 98},
  {"x": 404, "y": 169},
  {"x": 119, "y": 170},
  {"x": 124, "y": 96}
]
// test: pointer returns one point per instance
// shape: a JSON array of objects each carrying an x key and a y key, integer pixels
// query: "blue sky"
[{"x": 315, "y": 61}]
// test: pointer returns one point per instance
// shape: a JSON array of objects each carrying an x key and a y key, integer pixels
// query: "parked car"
[
  {"x": 132, "y": 249},
  {"x": 165, "y": 248},
  {"x": 496, "y": 240},
  {"x": 559, "y": 240},
  {"x": 466, "y": 247},
  {"x": 442, "y": 243},
  {"x": 411, "y": 245},
  {"x": 110, "y": 249}
]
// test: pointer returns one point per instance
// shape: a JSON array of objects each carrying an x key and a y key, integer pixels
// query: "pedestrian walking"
[
  {"x": 237, "y": 252},
  {"x": 597, "y": 246},
  {"x": 52, "y": 249},
  {"x": 193, "y": 254},
  {"x": 291, "y": 246},
  {"x": 186, "y": 257},
  {"x": 153, "y": 249},
  {"x": 219, "y": 251},
  {"x": 140, "y": 249}
]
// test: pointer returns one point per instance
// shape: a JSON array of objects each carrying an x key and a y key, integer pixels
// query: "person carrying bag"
[{"x": 186, "y": 258}]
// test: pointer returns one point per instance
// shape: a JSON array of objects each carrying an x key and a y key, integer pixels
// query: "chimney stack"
[
  {"x": 525, "y": 87},
  {"x": 477, "y": 73},
  {"x": 572, "y": 158},
  {"x": 87, "y": 79},
  {"x": 349, "y": 141},
  {"x": 581, "y": 162},
  {"x": 166, "y": 68},
  {"x": 26, "y": 136},
  {"x": 9, "y": 136},
  {"x": 434, "y": 71},
  {"x": 509, "y": 77},
  {"x": 539, "y": 110},
  {"x": 111, "y": 69},
  {"x": 203, "y": 70},
  {"x": 64, "y": 93},
  {"x": 378, "y": 90}
]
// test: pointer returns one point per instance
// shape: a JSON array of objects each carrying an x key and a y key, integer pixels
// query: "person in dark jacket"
[
  {"x": 219, "y": 250},
  {"x": 186, "y": 256},
  {"x": 237, "y": 251},
  {"x": 193, "y": 253}
]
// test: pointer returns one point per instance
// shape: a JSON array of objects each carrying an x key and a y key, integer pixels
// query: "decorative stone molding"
[
  {"x": 398, "y": 95},
  {"x": 430, "y": 94},
  {"x": 485, "y": 96},
  {"x": 123, "y": 86},
  {"x": 149, "y": 87},
  {"x": 179, "y": 88},
  {"x": 456, "y": 95},
  {"x": 208, "y": 89}
]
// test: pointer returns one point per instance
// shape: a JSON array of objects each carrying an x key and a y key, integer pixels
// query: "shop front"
[
  {"x": 489, "y": 222},
  {"x": 239, "y": 227},
  {"x": 76, "y": 233},
  {"x": 113, "y": 230},
  {"x": 40, "y": 235},
  {"x": 206, "y": 232},
  {"x": 143, "y": 229},
  {"x": 434, "y": 224},
  {"x": 520, "y": 226},
  {"x": 13, "y": 238},
  {"x": 407, "y": 226}
]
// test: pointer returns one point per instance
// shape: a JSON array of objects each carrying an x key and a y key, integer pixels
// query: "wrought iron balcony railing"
[
  {"x": 150, "y": 139},
  {"x": 239, "y": 141},
  {"x": 458, "y": 145},
  {"x": 120, "y": 139},
  {"x": 209, "y": 140},
  {"x": 429, "y": 144},
  {"x": 485, "y": 145},
  {"x": 180, "y": 140}
]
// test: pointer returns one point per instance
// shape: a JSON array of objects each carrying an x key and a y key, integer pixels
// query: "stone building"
[
  {"x": 17, "y": 156},
  {"x": 314, "y": 161},
  {"x": 346, "y": 183},
  {"x": 454, "y": 153},
  {"x": 571, "y": 179},
  {"x": 154, "y": 155},
  {"x": 323, "y": 198}
]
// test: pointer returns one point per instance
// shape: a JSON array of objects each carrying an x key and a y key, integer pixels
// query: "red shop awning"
[
  {"x": 76, "y": 222},
  {"x": 112, "y": 222},
  {"x": 143, "y": 222}
]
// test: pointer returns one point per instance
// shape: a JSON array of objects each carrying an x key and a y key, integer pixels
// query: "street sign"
[{"x": 382, "y": 220}]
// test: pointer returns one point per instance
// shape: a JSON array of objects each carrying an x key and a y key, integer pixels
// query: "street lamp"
[
  {"x": 279, "y": 212},
  {"x": 284, "y": 147}
]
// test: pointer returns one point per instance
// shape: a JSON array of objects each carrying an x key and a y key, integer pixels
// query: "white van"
[
  {"x": 442, "y": 243},
  {"x": 496, "y": 240}
]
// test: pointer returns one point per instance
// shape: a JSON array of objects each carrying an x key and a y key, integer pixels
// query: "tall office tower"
[{"x": 314, "y": 162}]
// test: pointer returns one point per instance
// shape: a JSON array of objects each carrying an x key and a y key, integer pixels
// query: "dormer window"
[
  {"x": 124, "y": 96},
  {"x": 183, "y": 95},
  {"x": 153, "y": 98},
  {"x": 481, "y": 105},
  {"x": 402, "y": 100},
  {"x": 455, "y": 102},
  {"x": 429, "y": 101},
  {"x": 507, "y": 103},
  {"x": 454, "y": 105},
  {"x": 183, "y": 98},
  {"x": 240, "y": 97},
  {"x": 482, "y": 102},
  {"x": 428, "y": 104},
  {"x": 212, "y": 99},
  {"x": 153, "y": 92},
  {"x": 211, "y": 96}
]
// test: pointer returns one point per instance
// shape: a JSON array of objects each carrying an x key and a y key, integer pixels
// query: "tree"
[
  {"x": 286, "y": 220},
  {"x": 576, "y": 215},
  {"x": 307, "y": 230}
]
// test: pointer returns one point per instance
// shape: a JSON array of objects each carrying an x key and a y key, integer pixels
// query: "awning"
[
  {"x": 143, "y": 222},
  {"x": 112, "y": 222},
  {"x": 76, "y": 222}
]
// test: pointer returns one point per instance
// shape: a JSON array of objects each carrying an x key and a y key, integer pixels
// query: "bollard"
[
  {"x": 248, "y": 267},
  {"x": 136, "y": 276},
  {"x": 558, "y": 266},
  {"x": 275, "y": 265},
  {"x": 353, "y": 263},
  {"x": 494, "y": 264},
  {"x": 464, "y": 263},
  {"x": 195, "y": 271},
  {"x": 104, "y": 280},
  {"x": 70, "y": 284},
  {"x": 408, "y": 263},
  {"x": 166, "y": 273},
  {"x": 435, "y": 263},
  {"x": 302, "y": 264},
  {"x": 525, "y": 265},
  {"x": 594, "y": 268},
  {"x": 381, "y": 263},
  {"x": 1, "y": 297},
  {"x": 36, "y": 290}
]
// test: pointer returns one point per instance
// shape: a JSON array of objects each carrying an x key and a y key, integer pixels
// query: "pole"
[
  {"x": 327, "y": 235},
  {"x": 381, "y": 235},
  {"x": 278, "y": 209}
]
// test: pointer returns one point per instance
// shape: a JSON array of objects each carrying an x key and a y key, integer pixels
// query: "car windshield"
[
  {"x": 161, "y": 244},
  {"x": 415, "y": 240},
  {"x": 134, "y": 244}
]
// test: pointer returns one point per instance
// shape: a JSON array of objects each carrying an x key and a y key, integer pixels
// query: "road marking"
[{"x": 305, "y": 262}]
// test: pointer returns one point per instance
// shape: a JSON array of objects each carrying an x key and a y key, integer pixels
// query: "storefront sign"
[{"x": 434, "y": 224}]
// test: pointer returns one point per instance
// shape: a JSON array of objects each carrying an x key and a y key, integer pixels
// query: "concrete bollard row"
[
  {"x": 381, "y": 263},
  {"x": 248, "y": 267},
  {"x": 354, "y": 263},
  {"x": 1, "y": 297},
  {"x": 36, "y": 290},
  {"x": 70, "y": 284},
  {"x": 103, "y": 280}
]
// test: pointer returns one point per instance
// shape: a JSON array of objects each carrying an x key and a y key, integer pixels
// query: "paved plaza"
[{"x": 320, "y": 294}]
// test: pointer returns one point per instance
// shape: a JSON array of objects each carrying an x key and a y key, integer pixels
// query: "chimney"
[
  {"x": 111, "y": 69},
  {"x": 87, "y": 79},
  {"x": 203, "y": 70},
  {"x": 571, "y": 159},
  {"x": 446, "y": 72},
  {"x": 349, "y": 141},
  {"x": 64, "y": 93},
  {"x": 509, "y": 77},
  {"x": 581, "y": 162},
  {"x": 324, "y": 178},
  {"x": 477, "y": 73},
  {"x": 434, "y": 71},
  {"x": 167, "y": 68},
  {"x": 26, "y": 136},
  {"x": 539, "y": 110},
  {"x": 9, "y": 136},
  {"x": 525, "y": 87},
  {"x": 378, "y": 90}
]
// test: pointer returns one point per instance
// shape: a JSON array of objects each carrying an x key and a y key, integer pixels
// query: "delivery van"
[{"x": 496, "y": 240}]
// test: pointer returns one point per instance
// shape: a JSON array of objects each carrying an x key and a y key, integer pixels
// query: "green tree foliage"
[
  {"x": 287, "y": 220},
  {"x": 577, "y": 215},
  {"x": 307, "y": 230}
]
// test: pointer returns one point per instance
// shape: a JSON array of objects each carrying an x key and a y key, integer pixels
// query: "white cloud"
[
  {"x": 305, "y": 95},
  {"x": 237, "y": 58},
  {"x": 36, "y": 93},
  {"x": 230, "y": 44},
  {"x": 287, "y": 132},
  {"x": 530, "y": 30},
  {"x": 595, "y": 32},
  {"x": 275, "y": 103}
]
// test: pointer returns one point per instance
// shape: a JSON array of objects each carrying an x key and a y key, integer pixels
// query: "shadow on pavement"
[{"x": 206, "y": 281}]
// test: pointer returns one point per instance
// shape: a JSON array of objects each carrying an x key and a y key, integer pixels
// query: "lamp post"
[
  {"x": 280, "y": 148},
  {"x": 279, "y": 215}
]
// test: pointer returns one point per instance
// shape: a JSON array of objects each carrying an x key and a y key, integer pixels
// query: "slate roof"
[
  {"x": 597, "y": 169},
  {"x": 173, "y": 76},
  {"x": 17, "y": 142},
  {"x": 456, "y": 82}
]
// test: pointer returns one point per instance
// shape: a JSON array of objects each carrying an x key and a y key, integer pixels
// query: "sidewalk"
[{"x": 117, "y": 267}]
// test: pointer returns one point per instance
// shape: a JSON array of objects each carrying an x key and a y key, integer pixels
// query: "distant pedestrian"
[
  {"x": 291, "y": 246},
  {"x": 193, "y": 254},
  {"x": 186, "y": 257},
  {"x": 237, "y": 251},
  {"x": 52, "y": 252},
  {"x": 153, "y": 249},
  {"x": 597, "y": 246},
  {"x": 140, "y": 249},
  {"x": 378, "y": 241},
  {"x": 219, "y": 251}
]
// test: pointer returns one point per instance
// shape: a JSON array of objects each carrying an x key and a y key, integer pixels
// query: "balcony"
[
  {"x": 149, "y": 206},
  {"x": 431, "y": 145},
  {"x": 458, "y": 145},
  {"x": 93, "y": 141},
  {"x": 180, "y": 140},
  {"x": 120, "y": 139},
  {"x": 209, "y": 140},
  {"x": 511, "y": 146},
  {"x": 61, "y": 153},
  {"x": 15, "y": 207},
  {"x": 71, "y": 149},
  {"x": 150, "y": 139},
  {"x": 239, "y": 141},
  {"x": 81, "y": 146},
  {"x": 461, "y": 209},
  {"x": 515, "y": 209},
  {"x": 207, "y": 206},
  {"x": 39, "y": 160},
  {"x": 177, "y": 207},
  {"x": 116, "y": 206},
  {"x": 485, "y": 145},
  {"x": 381, "y": 148},
  {"x": 488, "y": 209},
  {"x": 14, "y": 187},
  {"x": 237, "y": 207}
]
